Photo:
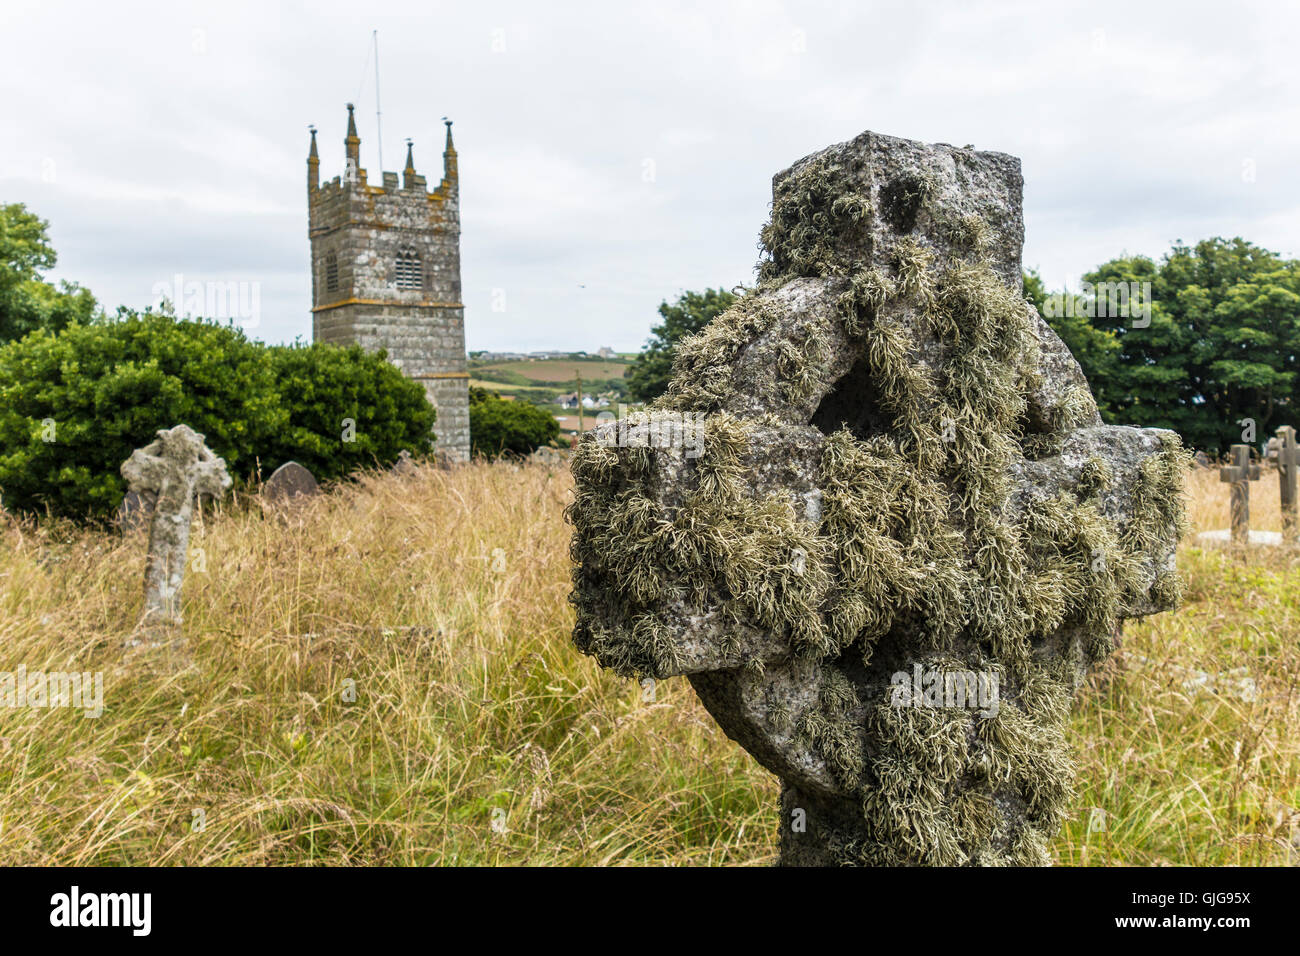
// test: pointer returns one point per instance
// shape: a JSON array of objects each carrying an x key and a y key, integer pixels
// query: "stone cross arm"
[
  {"x": 176, "y": 455},
  {"x": 1241, "y": 469},
  {"x": 782, "y": 463}
]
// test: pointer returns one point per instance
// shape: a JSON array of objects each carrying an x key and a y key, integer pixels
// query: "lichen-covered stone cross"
[
  {"x": 176, "y": 467},
  {"x": 906, "y": 534}
]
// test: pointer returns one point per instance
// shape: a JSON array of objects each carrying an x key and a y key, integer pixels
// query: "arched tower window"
[
  {"x": 331, "y": 272},
  {"x": 410, "y": 271}
]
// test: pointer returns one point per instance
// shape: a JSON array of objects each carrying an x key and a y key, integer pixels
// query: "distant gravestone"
[
  {"x": 1201, "y": 460},
  {"x": 877, "y": 521},
  {"x": 1239, "y": 475},
  {"x": 549, "y": 456},
  {"x": 175, "y": 468},
  {"x": 1287, "y": 463},
  {"x": 405, "y": 464},
  {"x": 291, "y": 480}
]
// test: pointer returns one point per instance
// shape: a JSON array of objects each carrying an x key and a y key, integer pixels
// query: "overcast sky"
[{"x": 615, "y": 154}]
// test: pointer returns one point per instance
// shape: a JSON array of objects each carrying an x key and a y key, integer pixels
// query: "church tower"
[{"x": 385, "y": 267}]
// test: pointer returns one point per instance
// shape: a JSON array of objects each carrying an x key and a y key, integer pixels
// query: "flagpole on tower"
[{"x": 379, "y": 126}]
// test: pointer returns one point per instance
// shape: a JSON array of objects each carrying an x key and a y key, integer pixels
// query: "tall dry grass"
[
  {"x": 1188, "y": 740},
  {"x": 478, "y": 735}
]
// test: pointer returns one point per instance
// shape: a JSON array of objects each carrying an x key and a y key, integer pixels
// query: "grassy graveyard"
[{"x": 383, "y": 675}]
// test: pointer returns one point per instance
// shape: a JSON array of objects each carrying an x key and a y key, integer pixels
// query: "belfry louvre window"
[
  {"x": 410, "y": 271},
  {"x": 331, "y": 273}
]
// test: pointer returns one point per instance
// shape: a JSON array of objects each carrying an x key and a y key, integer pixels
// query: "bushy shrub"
[
  {"x": 74, "y": 404},
  {"x": 497, "y": 426},
  {"x": 325, "y": 387}
]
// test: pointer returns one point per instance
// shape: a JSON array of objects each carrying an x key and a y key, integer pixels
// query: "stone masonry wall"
[{"x": 451, "y": 397}]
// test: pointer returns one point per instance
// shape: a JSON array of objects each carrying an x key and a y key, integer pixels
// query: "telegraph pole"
[{"x": 579, "y": 403}]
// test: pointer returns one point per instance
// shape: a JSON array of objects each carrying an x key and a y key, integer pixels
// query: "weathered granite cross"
[
  {"x": 1240, "y": 474},
  {"x": 175, "y": 467},
  {"x": 907, "y": 533},
  {"x": 1288, "y": 465}
]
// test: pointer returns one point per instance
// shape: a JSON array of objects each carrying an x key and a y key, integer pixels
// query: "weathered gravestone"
[
  {"x": 291, "y": 480},
  {"x": 549, "y": 456},
  {"x": 906, "y": 533},
  {"x": 1239, "y": 475},
  {"x": 405, "y": 464},
  {"x": 175, "y": 468},
  {"x": 1287, "y": 462}
]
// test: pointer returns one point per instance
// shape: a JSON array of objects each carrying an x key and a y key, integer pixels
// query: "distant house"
[
  {"x": 606, "y": 352},
  {"x": 588, "y": 401},
  {"x": 553, "y": 354}
]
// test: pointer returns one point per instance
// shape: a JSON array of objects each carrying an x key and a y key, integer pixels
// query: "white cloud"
[{"x": 173, "y": 139}]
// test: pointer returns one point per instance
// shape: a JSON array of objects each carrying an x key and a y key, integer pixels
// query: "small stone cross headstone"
[
  {"x": 877, "y": 521},
  {"x": 1288, "y": 463},
  {"x": 291, "y": 480},
  {"x": 1240, "y": 474},
  {"x": 176, "y": 468}
]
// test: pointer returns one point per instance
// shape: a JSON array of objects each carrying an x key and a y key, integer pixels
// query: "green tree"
[
  {"x": 648, "y": 376},
  {"x": 497, "y": 426},
  {"x": 27, "y": 302},
  {"x": 1093, "y": 348},
  {"x": 1222, "y": 346},
  {"x": 74, "y": 404}
]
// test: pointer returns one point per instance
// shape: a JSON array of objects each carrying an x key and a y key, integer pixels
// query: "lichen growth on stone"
[
  {"x": 810, "y": 215},
  {"x": 703, "y": 363},
  {"x": 916, "y": 544}
]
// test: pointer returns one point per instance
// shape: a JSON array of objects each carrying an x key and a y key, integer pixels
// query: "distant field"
[
  {"x": 522, "y": 393},
  {"x": 557, "y": 370}
]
